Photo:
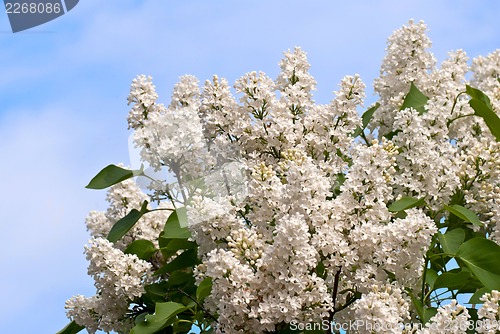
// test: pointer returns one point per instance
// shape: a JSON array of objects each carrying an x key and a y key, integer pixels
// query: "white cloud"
[{"x": 44, "y": 205}]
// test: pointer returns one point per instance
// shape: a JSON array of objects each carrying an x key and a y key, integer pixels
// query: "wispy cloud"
[{"x": 43, "y": 207}]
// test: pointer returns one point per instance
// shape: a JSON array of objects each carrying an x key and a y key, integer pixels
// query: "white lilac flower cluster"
[
  {"x": 406, "y": 61},
  {"x": 489, "y": 313},
  {"x": 304, "y": 214},
  {"x": 119, "y": 279},
  {"x": 450, "y": 319},
  {"x": 382, "y": 310}
]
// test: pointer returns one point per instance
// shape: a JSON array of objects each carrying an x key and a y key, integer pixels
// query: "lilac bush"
[{"x": 287, "y": 215}]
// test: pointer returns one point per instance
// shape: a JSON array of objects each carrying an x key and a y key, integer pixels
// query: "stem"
[
  {"x": 423, "y": 296},
  {"x": 176, "y": 169},
  {"x": 170, "y": 197},
  {"x": 455, "y": 100},
  {"x": 362, "y": 134},
  {"x": 334, "y": 297},
  {"x": 458, "y": 117},
  {"x": 161, "y": 209},
  {"x": 441, "y": 255},
  {"x": 437, "y": 296},
  {"x": 199, "y": 305}
]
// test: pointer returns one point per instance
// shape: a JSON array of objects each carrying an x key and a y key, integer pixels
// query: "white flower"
[
  {"x": 450, "y": 319},
  {"x": 486, "y": 72},
  {"x": 143, "y": 97},
  {"x": 116, "y": 274},
  {"x": 186, "y": 93},
  {"x": 407, "y": 60},
  {"x": 119, "y": 279},
  {"x": 382, "y": 309},
  {"x": 489, "y": 313},
  {"x": 423, "y": 155}
]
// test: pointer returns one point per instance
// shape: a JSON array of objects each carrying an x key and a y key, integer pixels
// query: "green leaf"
[
  {"x": 110, "y": 175},
  {"x": 480, "y": 102},
  {"x": 169, "y": 247},
  {"x": 181, "y": 278},
  {"x": 187, "y": 259},
  {"x": 176, "y": 226},
  {"x": 71, "y": 328},
  {"x": 473, "y": 319},
  {"x": 204, "y": 289},
  {"x": 430, "y": 277},
  {"x": 157, "y": 289},
  {"x": 474, "y": 299},
  {"x": 321, "y": 270},
  {"x": 391, "y": 134},
  {"x": 423, "y": 312},
  {"x": 144, "y": 249},
  {"x": 452, "y": 280},
  {"x": 418, "y": 305},
  {"x": 390, "y": 275},
  {"x": 438, "y": 263},
  {"x": 482, "y": 257},
  {"x": 140, "y": 318},
  {"x": 415, "y": 99},
  {"x": 182, "y": 217},
  {"x": 476, "y": 94},
  {"x": 490, "y": 117},
  {"x": 429, "y": 312},
  {"x": 367, "y": 116},
  {"x": 185, "y": 326},
  {"x": 121, "y": 227},
  {"x": 451, "y": 240},
  {"x": 165, "y": 314},
  {"x": 176, "y": 244},
  {"x": 464, "y": 214},
  {"x": 340, "y": 179},
  {"x": 471, "y": 285},
  {"x": 405, "y": 203}
]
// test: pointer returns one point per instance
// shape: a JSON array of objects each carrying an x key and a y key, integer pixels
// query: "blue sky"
[{"x": 63, "y": 108}]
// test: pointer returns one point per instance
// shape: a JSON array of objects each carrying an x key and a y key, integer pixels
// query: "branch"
[
  {"x": 334, "y": 297},
  {"x": 201, "y": 306}
]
